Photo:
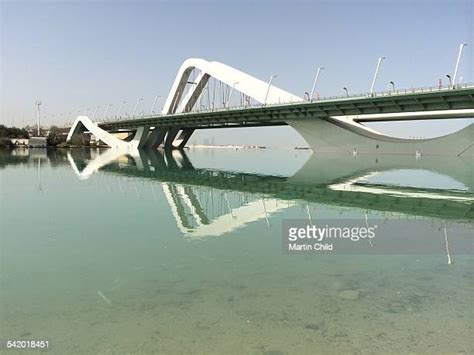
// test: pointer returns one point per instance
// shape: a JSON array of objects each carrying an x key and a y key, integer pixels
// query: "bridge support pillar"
[
  {"x": 183, "y": 138},
  {"x": 139, "y": 139},
  {"x": 172, "y": 133},
  {"x": 155, "y": 138}
]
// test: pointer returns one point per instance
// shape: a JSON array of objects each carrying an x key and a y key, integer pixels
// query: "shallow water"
[{"x": 108, "y": 253}]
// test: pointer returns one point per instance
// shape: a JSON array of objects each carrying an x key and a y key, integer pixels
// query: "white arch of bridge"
[{"x": 257, "y": 89}]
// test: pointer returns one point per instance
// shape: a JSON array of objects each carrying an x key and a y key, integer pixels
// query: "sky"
[{"x": 77, "y": 55}]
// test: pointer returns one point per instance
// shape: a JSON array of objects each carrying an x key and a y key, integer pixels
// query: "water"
[{"x": 107, "y": 253}]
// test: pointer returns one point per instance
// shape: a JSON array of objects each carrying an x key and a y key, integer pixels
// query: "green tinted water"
[{"x": 173, "y": 255}]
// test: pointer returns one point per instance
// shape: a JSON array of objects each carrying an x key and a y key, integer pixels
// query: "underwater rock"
[
  {"x": 312, "y": 326},
  {"x": 419, "y": 294},
  {"x": 350, "y": 295},
  {"x": 395, "y": 307}
]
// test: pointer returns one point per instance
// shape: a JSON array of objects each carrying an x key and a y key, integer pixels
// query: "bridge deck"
[{"x": 268, "y": 115}]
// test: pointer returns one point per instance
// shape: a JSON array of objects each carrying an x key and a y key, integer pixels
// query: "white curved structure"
[
  {"x": 104, "y": 159},
  {"x": 84, "y": 123},
  {"x": 336, "y": 135},
  {"x": 359, "y": 185},
  {"x": 250, "y": 86},
  {"x": 255, "y": 88}
]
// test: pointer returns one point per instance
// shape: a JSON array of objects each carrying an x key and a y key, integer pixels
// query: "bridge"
[{"x": 334, "y": 124}]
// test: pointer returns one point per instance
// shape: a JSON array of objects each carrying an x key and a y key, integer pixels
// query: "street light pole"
[
  {"x": 38, "y": 104},
  {"x": 107, "y": 111},
  {"x": 136, "y": 106},
  {"x": 347, "y": 92},
  {"x": 314, "y": 83},
  {"x": 393, "y": 85},
  {"x": 154, "y": 103},
  {"x": 269, "y": 86},
  {"x": 120, "y": 108},
  {"x": 461, "y": 47},
  {"x": 96, "y": 109},
  {"x": 376, "y": 74},
  {"x": 450, "y": 80}
]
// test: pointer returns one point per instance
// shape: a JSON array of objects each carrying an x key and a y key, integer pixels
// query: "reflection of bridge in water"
[
  {"x": 203, "y": 212},
  {"x": 342, "y": 181}
]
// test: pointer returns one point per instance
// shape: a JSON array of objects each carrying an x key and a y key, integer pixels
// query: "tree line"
[{"x": 13, "y": 132}]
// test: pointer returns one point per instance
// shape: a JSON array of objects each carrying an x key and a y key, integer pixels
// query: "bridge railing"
[
  {"x": 331, "y": 98},
  {"x": 396, "y": 92}
]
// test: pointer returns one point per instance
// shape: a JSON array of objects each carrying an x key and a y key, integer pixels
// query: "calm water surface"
[{"x": 104, "y": 252}]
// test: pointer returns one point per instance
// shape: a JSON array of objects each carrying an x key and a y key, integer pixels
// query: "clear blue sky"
[{"x": 80, "y": 54}]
